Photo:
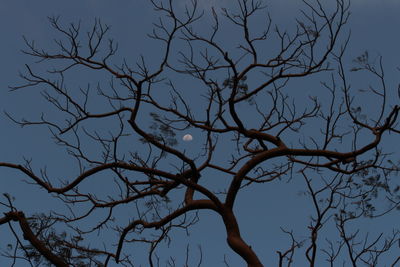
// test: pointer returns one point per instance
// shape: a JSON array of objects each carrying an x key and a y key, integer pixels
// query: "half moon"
[{"x": 187, "y": 138}]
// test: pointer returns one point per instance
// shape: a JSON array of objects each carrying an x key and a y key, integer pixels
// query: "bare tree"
[{"x": 333, "y": 142}]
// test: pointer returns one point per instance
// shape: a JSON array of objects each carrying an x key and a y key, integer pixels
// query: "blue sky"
[{"x": 373, "y": 25}]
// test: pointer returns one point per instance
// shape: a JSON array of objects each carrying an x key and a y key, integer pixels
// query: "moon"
[{"x": 187, "y": 138}]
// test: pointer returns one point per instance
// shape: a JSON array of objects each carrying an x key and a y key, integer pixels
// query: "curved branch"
[{"x": 19, "y": 216}]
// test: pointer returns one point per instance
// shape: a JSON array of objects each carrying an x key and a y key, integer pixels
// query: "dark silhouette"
[{"x": 241, "y": 93}]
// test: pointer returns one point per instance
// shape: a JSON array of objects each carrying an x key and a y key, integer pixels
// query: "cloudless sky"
[{"x": 374, "y": 27}]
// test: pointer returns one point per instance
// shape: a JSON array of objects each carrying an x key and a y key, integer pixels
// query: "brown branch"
[{"x": 19, "y": 216}]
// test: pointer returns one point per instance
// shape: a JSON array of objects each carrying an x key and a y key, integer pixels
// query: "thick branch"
[{"x": 31, "y": 237}]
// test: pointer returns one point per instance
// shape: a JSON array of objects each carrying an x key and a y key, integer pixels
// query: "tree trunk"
[{"x": 236, "y": 242}]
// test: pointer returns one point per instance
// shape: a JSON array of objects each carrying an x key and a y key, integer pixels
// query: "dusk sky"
[{"x": 373, "y": 24}]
